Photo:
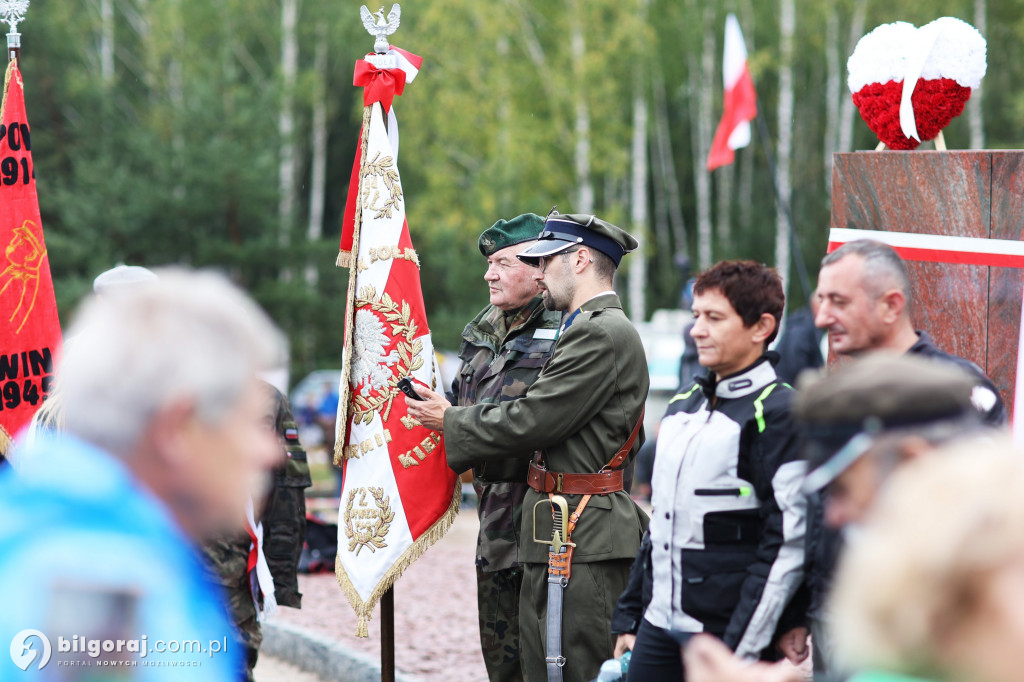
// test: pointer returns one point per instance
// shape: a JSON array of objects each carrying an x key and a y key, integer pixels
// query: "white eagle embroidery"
[{"x": 369, "y": 362}]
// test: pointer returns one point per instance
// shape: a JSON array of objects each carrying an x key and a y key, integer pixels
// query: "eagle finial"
[{"x": 379, "y": 26}]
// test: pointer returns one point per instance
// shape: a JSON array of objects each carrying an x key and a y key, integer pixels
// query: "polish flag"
[{"x": 740, "y": 99}]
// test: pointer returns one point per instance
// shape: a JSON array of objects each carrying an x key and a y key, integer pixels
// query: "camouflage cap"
[
  {"x": 840, "y": 415},
  {"x": 505, "y": 233},
  {"x": 564, "y": 231}
]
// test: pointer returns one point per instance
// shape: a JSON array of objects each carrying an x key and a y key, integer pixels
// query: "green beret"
[
  {"x": 562, "y": 232},
  {"x": 505, "y": 233},
  {"x": 872, "y": 395}
]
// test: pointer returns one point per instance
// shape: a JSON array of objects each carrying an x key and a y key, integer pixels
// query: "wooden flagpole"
[
  {"x": 387, "y": 600},
  {"x": 798, "y": 257},
  {"x": 387, "y": 636}
]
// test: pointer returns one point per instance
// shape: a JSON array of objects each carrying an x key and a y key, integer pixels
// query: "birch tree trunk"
[
  {"x": 584, "y": 183},
  {"x": 702, "y": 70},
  {"x": 745, "y": 194},
  {"x": 833, "y": 91},
  {"x": 660, "y": 219},
  {"x": 975, "y": 115},
  {"x": 505, "y": 172},
  {"x": 745, "y": 186},
  {"x": 724, "y": 181},
  {"x": 176, "y": 91},
  {"x": 787, "y": 26},
  {"x": 107, "y": 42},
  {"x": 318, "y": 142},
  {"x": 638, "y": 191},
  {"x": 638, "y": 208},
  {"x": 846, "y": 113},
  {"x": 667, "y": 166},
  {"x": 286, "y": 124}
]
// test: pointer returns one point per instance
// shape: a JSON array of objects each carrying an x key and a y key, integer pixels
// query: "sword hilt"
[{"x": 559, "y": 525}]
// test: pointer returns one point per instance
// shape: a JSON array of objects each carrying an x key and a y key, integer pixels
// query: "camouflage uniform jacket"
[
  {"x": 501, "y": 358},
  {"x": 284, "y": 528}
]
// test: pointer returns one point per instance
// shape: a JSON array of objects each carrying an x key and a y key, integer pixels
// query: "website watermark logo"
[
  {"x": 81, "y": 651},
  {"x": 23, "y": 653}
]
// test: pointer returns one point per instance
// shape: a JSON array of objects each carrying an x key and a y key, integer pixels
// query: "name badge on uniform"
[{"x": 545, "y": 334}]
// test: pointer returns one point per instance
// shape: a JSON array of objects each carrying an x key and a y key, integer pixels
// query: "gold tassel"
[
  {"x": 362, "y": 630},
  {"x": 5, "y": 441},
  {"x": 341, "y": 425},
  {"x": 344, "y": 259},
  {"x": 7, "y": 83}
]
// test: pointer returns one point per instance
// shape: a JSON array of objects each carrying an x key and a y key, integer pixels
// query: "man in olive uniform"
[
  {"x": 503, "y": 351},
  {"x": 586, "y": 404},
  {"x": 284, "y": 529}
]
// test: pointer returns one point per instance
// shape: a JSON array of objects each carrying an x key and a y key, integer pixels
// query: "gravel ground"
[
  {"x": 270, "y": 669},
  {"x": 436, "y": 634}
]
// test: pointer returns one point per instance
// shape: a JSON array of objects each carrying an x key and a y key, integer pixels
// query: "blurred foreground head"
[
  {"x": 935, "y": 583},
  {"x": 861, "y": 422},
  {"x": 164, "y": 377}
]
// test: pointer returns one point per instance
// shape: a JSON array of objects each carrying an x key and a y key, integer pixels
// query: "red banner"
[
  {"x": 30, "y": 335},
  {"x": 398, "y": 495}
]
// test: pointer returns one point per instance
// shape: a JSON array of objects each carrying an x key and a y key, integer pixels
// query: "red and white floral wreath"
[{"x": 908, "y": 83}]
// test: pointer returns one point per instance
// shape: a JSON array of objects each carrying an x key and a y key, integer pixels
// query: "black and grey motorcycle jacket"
[{"x": 727, "y": 530}]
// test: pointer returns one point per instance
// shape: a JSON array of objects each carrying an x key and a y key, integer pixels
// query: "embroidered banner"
[
  {"x": 398, "y": 495},
  {"x": 30, "y": 335}
]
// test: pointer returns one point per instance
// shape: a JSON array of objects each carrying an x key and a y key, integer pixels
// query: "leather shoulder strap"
[{"x": 623, "y": 452}]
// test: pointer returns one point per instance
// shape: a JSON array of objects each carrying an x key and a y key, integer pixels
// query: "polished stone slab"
[{"x": 970, "y": 310}]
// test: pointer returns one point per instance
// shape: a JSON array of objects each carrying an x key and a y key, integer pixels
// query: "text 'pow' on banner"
[
  {"x": 398, "y": 495},
  {"x": 30, "y": 335}
]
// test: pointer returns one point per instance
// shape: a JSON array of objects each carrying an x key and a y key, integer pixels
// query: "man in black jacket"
[{"x": 865, "y": 305}]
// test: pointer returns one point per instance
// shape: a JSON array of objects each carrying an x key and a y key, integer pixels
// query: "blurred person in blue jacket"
[{"x": 164, "y": 441}]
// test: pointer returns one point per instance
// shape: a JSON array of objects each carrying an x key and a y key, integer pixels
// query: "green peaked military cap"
[
  {"x": 841, "y": 414},
  {"x": 562, "y": 232},
  {"x": 505, "y": 233}
]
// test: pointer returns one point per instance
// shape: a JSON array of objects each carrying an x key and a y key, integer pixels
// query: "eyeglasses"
[{"x": 542, "y": 261}]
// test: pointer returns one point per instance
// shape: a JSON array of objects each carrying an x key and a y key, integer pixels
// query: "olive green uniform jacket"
[{"x": 579, "y": 412}]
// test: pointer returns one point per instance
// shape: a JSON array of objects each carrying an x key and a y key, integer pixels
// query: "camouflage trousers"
[
  {"x": 498, "y": 609},
  {"x": 248, "y": 632}
]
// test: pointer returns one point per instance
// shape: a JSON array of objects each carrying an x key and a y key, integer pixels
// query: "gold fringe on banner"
[
  {"x": 364, "y": 609},
  {"x": 7, "y": 83},
  {"x": 350, "y": 301},
  {"x": 344, "y": 259},
  {"x": 5, "y": 438},
  {"x": 5, "y": 441}
]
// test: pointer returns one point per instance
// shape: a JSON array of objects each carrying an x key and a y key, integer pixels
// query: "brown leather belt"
[{"x": 601, "y": 483}]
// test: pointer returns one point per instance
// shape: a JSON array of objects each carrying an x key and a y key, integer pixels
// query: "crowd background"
[{"x": 222, "y": 132}]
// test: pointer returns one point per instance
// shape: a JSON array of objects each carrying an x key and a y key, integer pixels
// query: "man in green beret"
[
  {"x": 503, "y": 350},
  {"x": 580, "y": 423}
]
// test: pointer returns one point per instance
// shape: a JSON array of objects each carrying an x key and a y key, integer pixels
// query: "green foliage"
[{"x": 175, "y": 160}]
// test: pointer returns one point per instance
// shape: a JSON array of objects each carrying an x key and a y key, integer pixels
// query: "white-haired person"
[
  {"x": 933, "y": 585},
  {"x": 164, "y": 440},
  {"x": 106, "y": 285}
]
